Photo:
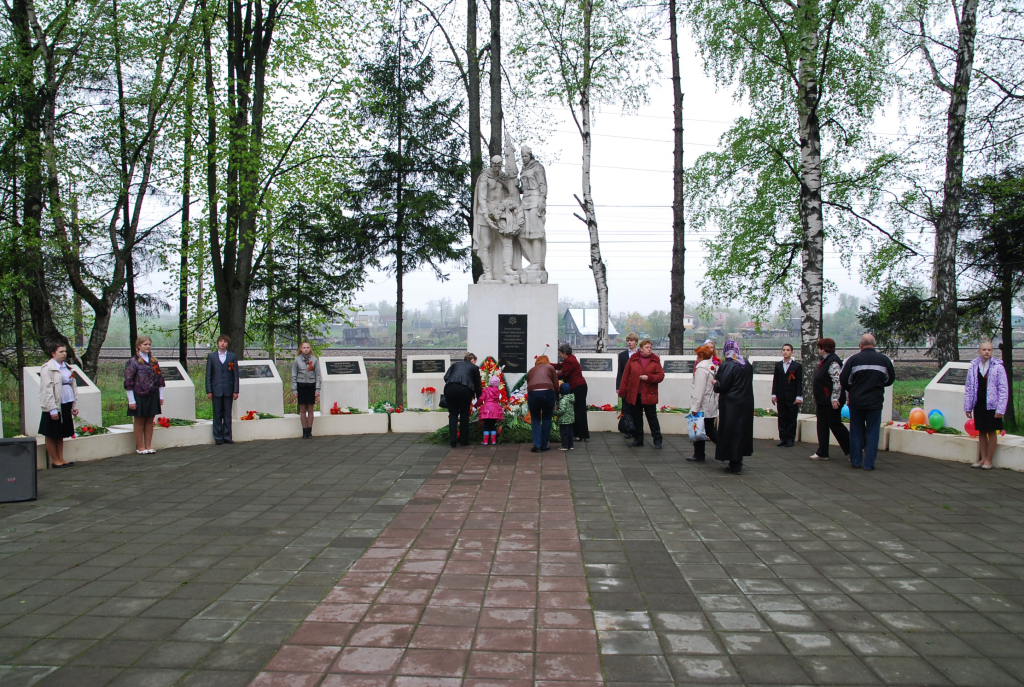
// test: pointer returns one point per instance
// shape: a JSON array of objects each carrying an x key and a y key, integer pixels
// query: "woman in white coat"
[
  {"x": 703, "y": 398},
  {"x": 58, "y": 397}
]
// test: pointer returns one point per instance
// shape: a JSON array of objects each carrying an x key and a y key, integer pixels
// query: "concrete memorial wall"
[
  {"x": 764, "y": 372},
  {"x": 514, "y": 323},
  {"x": 343, "y": 381},
  {"x": 179, "y": 391},
  {"x": 599, "y": 370},
  {"x": 946, "y": 393},
  {"x": 422, "y": 371},
  {"x": 259, "y": 388},
  {"x": 90, "y": 402},
  {"x": 675, "y": 390}
]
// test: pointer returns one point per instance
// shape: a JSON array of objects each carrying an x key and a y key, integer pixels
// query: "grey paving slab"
[
  {"x": 192, "y": 566},
  {"x": 800, "y": 572}
]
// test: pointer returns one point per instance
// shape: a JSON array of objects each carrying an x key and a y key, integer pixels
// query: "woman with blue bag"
[{"x": 703, "y": 399}]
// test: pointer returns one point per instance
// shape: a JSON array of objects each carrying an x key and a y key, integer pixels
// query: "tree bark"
[
  {"x": 494, "y": 146},
  {"x": 1006, "y": 305},
  {"x": 677, "y": 318},
  {"x": 186, "y": 225},
  {"x": 811, "y": 219},
  {"x": 19, "y": 354},
  {"x": 127, "y": 237},
  {"x": 76, "y": 242},
  {"x": 596, "y": 262},
  {"x": 476, "y": 163},
  {"x": 947, "y": 229}
]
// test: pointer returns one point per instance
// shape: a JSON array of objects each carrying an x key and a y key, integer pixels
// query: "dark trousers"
[
  {"x": 830, "y": 419},
  {"x": 651, "y": 411},
  {"x": 459, "y": 398},
  {"x": 541, "y": 403},
  {"x": 222, "y": 418},
  {"x": 579, "y": 406},
  {"x": 711, "y": 429},
  {"x": 566, "y": 432},
  {"x": 865, "y": 426},
  {"x": 788, "y": 413},
  {"x": 627, "y": 409}
]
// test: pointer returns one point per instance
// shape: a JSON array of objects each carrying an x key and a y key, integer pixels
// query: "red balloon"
[{"x": 969, "y": 428}]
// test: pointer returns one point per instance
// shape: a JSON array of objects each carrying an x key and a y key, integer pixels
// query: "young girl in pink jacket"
[{"x": 491, "y": 411}]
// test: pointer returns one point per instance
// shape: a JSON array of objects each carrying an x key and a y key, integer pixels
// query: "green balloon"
[{"x": 936, "y": 419}]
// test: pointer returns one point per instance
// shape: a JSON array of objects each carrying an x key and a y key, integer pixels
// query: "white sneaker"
[{"x": 815, "y": 456}]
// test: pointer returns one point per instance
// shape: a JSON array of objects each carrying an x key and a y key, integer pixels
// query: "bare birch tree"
[{"x": 581, "y": 53}]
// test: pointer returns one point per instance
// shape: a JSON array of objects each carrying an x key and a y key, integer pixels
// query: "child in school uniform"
[
  {"x": 566, "y": 415},
  {"x": 306, "y": 386},
  {"x": 491, "y": 411}
]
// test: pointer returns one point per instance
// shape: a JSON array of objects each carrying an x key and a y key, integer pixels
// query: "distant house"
[
  {"x": 1017, "y": 321},
  {"x": 718, "y": 319},
  {"x": 356, "y": 336},
  {"x": 687, "y": 321},
  {"x": 581, "y": 327},
  {"x": 366, "y": 318}
]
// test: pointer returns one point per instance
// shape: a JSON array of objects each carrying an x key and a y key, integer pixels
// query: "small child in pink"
[{"x": 491, "y": 411}]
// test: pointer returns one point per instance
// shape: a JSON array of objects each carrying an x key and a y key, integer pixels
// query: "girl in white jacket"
[
  {"x": 703, "y": 398},
  {"x": 58, "y": 397}
]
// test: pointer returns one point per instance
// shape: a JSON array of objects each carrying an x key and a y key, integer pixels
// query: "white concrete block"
[
  {"x": 807, "y": 433},
  {"x": 599, "y": 370},
  {"x": 489, "y": 304},
  {"x": 766, "y": 428},
  {"x": 259, "y": 389},
  {"x": 179, "y": 391},
  {"x": 343, "y": 381},
  {"x": 946, "y": 393},
  {"x": 422, "y": 371},
  {"x": 764, "y": 372},
  {"x": 90, "y": 402},
  {"x": 675, "y": 390},
  {"x": 602, "y": 421},
  {"x": 418, "y": 423}
]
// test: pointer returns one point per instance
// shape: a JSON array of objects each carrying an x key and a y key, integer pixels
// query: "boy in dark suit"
[
  {"x": 787, "y": 394},
  {"x": 222, "y": 388}
]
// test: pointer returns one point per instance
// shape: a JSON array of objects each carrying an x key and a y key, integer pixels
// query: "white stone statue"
[{"x": 506, "y": 228}]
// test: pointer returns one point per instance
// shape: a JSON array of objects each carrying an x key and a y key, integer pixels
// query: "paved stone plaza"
[{"x": 377, "y": 560}]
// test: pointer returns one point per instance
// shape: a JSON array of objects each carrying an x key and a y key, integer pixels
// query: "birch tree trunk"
[
  {"x": 811, "y": 220},
  {"x": 947, "y": 229},
  {"x": 677, "y": 299}
]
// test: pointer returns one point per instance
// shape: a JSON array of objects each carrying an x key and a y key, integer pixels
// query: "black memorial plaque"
[
  {"x": 679, "y": 367},
  {"x": 78, "y": 378},
  {"x": 512, "y": 343},
  {"x": 171, "y": 373},
  {"x": 429, "y": 366},
  {"x": 763, "y": 367},
  {"x": 255, "y": 372},
  {"x": 342, "y": 367},
  {"x": 596, "y": 364},
  {"x": 954, "y": 375}
]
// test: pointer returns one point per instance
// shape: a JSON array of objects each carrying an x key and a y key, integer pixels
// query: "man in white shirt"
[{"x": 787, "y": 394}]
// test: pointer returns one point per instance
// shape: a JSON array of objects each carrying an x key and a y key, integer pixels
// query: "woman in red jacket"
[
  {"x": 639, "y": 386},
  {"x": 570, "y": 372}
]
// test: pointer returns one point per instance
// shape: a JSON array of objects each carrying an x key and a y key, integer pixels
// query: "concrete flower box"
[
  {"x": 807, "y": 433},
  {"x": 603, "y": 421},
  {"x": 768, "y": 428},
  {"x": 958, "y": 449},
  {"x": 336, "y": 425},
  {"x": 673, "y": 423},
  {"x": 418, "y": 423},
  {"x": 86, "y": 449}
]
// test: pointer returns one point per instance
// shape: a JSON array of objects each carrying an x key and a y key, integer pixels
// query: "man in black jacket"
[
  {"x": 222, "y": 388},
  {"x": 461, "y": 386},
  {"x": 865, "y": 376},
  {"x": 787, "y": 394},
  {"x": 631, "y": 348}
]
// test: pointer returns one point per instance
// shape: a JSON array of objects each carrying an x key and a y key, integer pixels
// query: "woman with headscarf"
[
  {"x": 735, "y": 387},
  {"x": 570, "y": 372},
  {"x": 704, "y": 400}
]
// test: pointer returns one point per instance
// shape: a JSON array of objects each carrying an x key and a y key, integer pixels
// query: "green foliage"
[{"x": 513, "y": 431}]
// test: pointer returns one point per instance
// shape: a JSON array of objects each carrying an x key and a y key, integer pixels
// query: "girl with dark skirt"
[
  {"x": 570, "y": 372},
  {"x": 144, "y": 384},
  {"x": 986, "y": 395},
  {"x": 306, "y": 386},
  {"x": 58, "y": 397}
]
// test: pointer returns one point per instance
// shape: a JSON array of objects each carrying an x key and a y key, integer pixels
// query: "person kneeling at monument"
[
  {"x": 461, "y": 386},
  {"x": 640, "y": 384},
  {"x": 491, "y": 411},
  {"x": 306, "y": 386},
  {"x": 565, "y": 413}
]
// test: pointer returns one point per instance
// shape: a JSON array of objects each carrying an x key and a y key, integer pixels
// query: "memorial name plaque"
[
  {"x": 679, "y": 367},
  {"x": 512, "y": 343},
  {"x": 81, "y": 382},
  {"x": 764, "y": 367},
  {"x": 342, "y": 367},
  {"x": 171, "y": 374},
  {"x": 255, "y": 372},
  {"x": 596, "y": 364},
  {"x": 428, "y": 366},
  {"x": 954, "y": 375}
]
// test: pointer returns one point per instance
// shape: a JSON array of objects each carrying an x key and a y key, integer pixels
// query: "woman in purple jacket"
[
  {"x": 985, "y": 395},
  {"x": 144, "y": 385}
]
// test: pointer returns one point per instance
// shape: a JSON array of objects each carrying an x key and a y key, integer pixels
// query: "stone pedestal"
[
  {"x": 946, "y": 393},
  {"x": 514, "y": 323},
  {"x": 422, "y": 371},
  {"x": 343, "y": 381},
  {"x": 90, "y": 403},
  {"x": 259, "y": 389},
  {"x": 179, "y": 392},
  {"x": 764, "y": 372},
  {"x": 599, "y": 370},
  {"x": 675, "y": 390}
]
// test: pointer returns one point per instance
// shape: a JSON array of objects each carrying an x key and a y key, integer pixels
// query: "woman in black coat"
[{"x": 735, "y": 387}]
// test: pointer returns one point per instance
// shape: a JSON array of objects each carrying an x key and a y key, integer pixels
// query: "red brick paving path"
[{"x": 479, "y": 581}]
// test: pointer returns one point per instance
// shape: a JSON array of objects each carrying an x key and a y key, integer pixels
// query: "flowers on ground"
[{"x": 338, "y": 410}]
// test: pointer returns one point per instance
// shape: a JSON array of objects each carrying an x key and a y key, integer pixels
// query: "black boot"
[{"x": 309, "y": 432}]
